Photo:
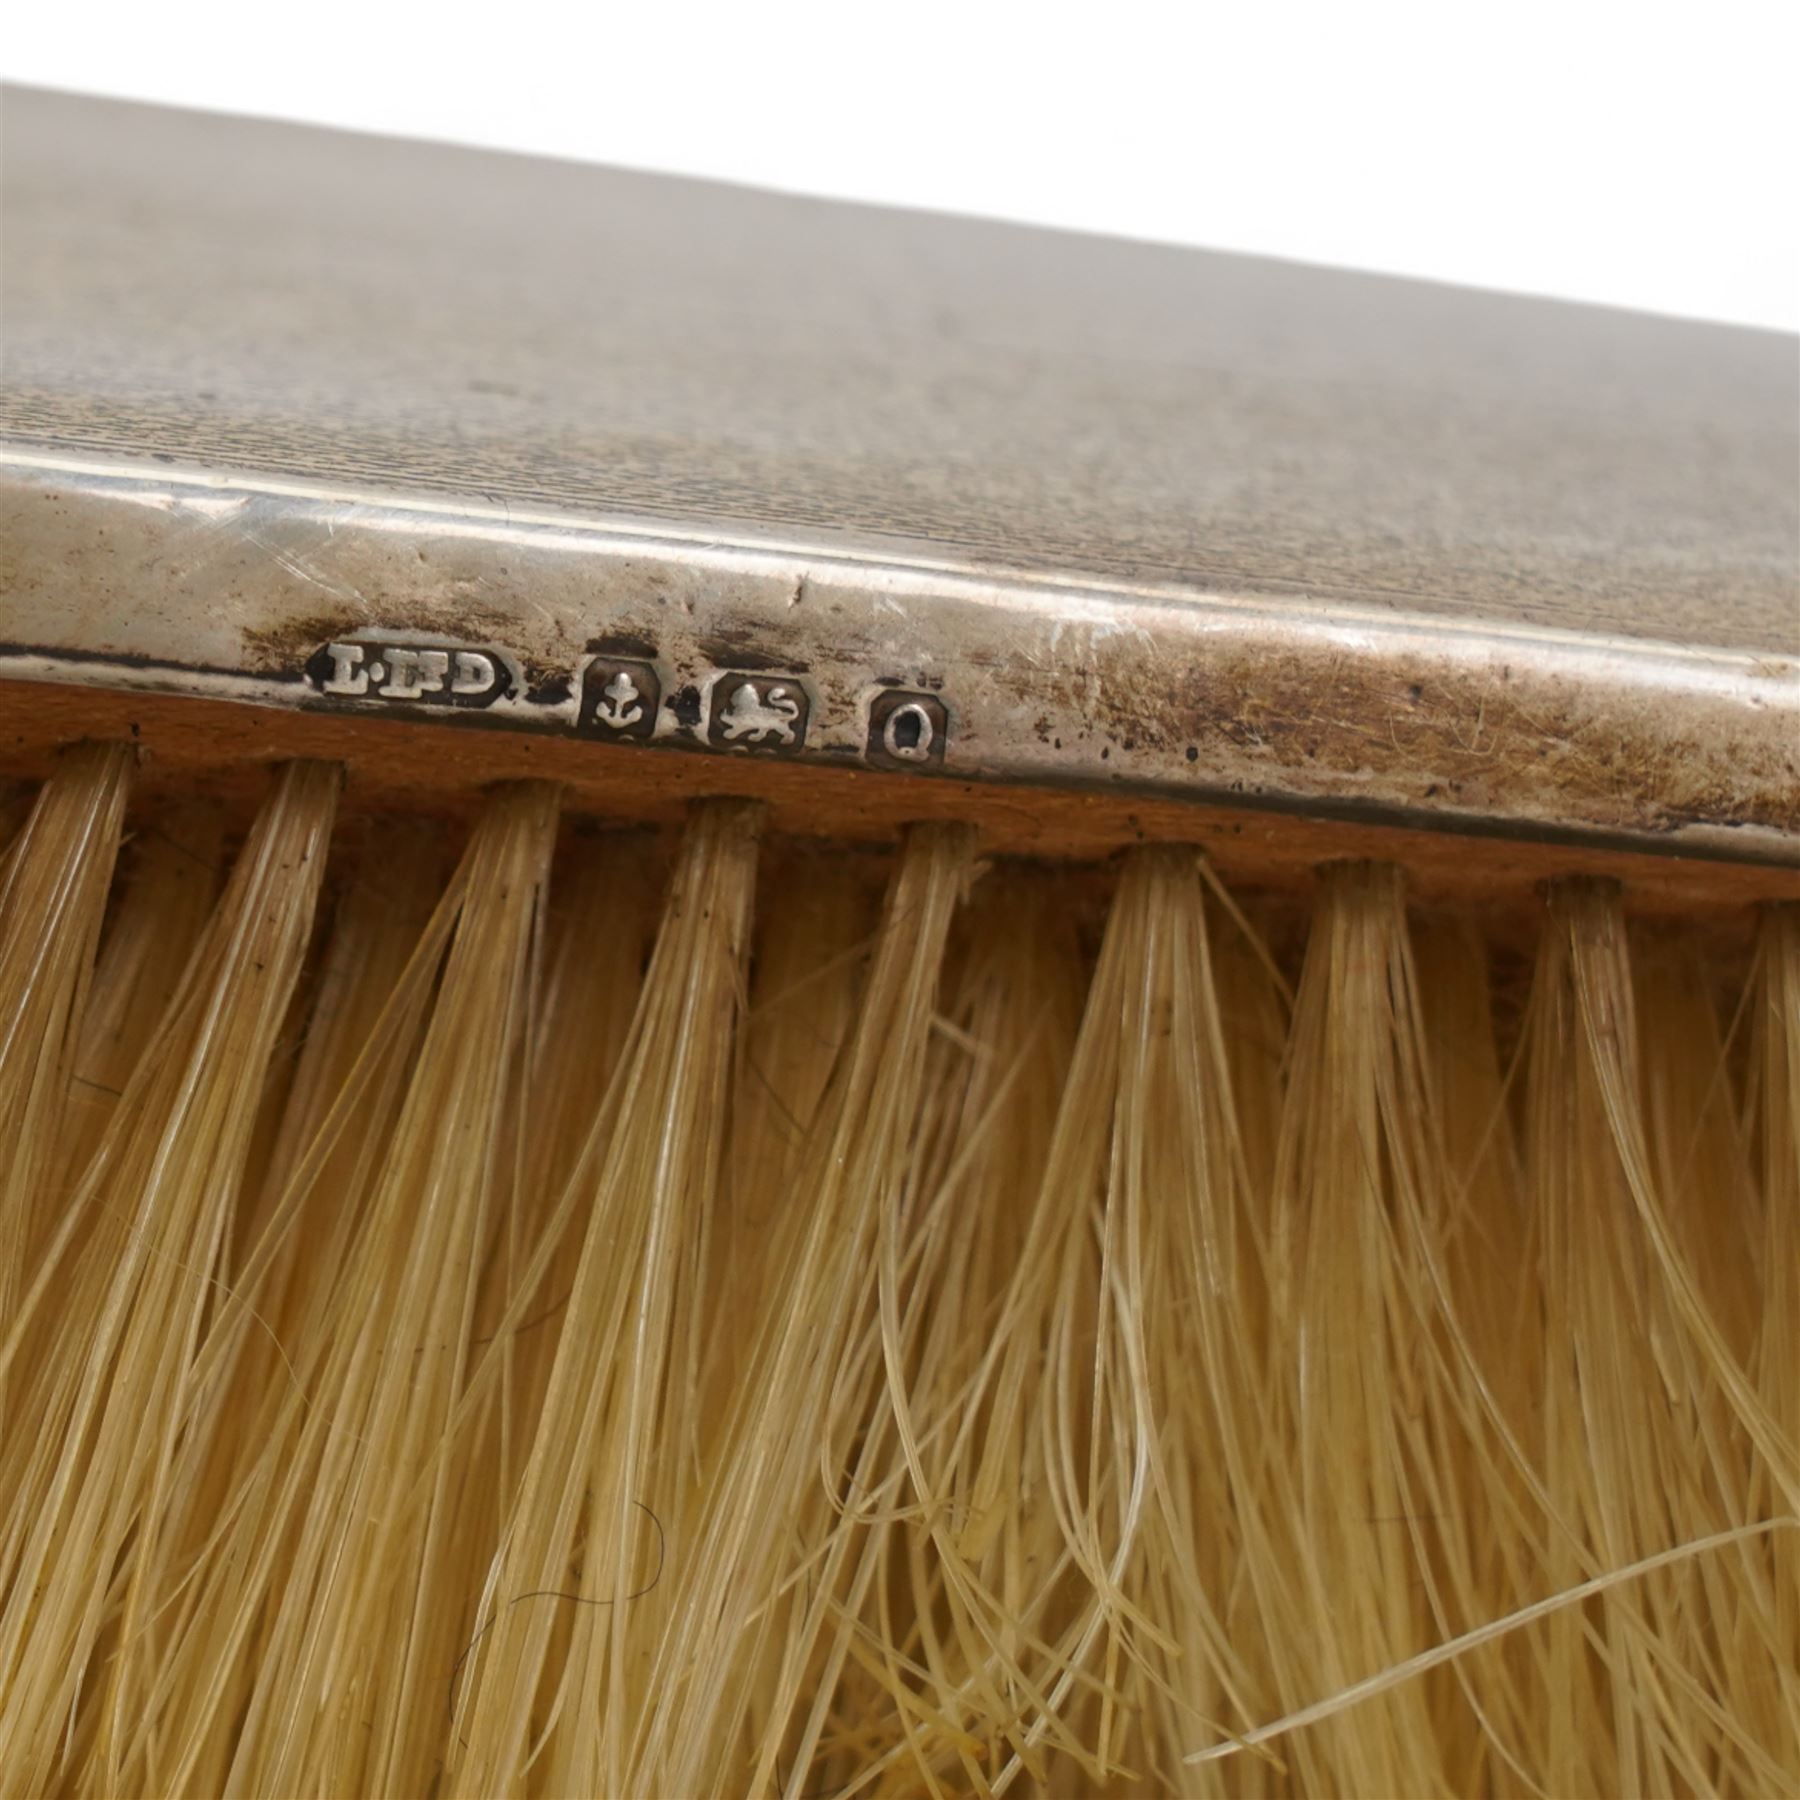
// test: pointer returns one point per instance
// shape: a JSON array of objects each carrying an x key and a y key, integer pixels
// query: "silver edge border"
[{"x": 159, "y": 578}]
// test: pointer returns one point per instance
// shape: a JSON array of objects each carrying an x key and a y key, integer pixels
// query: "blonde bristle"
[
  {"x": 53, "y": 887},
  {"x": 171, "y": 878},
  {"x": 609, "y": 1313},
  {"x": 606, "y": 1469},
  {"x": 119, "y": 1310}
]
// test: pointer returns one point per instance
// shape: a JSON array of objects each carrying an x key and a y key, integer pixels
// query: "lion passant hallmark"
[{"x": 757, "y": 712}]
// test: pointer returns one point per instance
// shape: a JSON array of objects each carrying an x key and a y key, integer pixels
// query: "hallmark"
[
  {"x": 622, "y": 699},
  {"x": 415, "y": 674},
  {"x": 618, "y": 699},
  {"x": 907, "y": 730},
  {"x": 757, "y": 712}
]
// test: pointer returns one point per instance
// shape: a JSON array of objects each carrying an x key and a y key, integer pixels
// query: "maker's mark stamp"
[
  {"x": 417, "y": 674},
  {"x": 618, "y": 699},
  {"x": 907, "y": 730},
  {"x": 757, "y": 712}
]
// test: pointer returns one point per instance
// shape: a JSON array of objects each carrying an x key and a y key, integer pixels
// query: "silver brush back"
[{"x": 339, "y": 425}]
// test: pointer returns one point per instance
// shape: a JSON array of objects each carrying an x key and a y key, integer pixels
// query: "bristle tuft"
[{"x": 589, "y": 1313}]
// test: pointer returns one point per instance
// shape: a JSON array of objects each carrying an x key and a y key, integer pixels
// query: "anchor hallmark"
[
  {"x": 758, "y": 712},
  {"x": 618, "y": 699}
]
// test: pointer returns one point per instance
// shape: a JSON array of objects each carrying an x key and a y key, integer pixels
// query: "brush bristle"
[{"x": 566, "y": 1313}]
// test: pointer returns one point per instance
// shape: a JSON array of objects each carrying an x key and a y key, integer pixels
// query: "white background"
[{"x": 1644, "y": 153}]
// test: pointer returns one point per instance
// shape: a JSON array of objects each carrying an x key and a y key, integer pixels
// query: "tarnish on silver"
[{"x": 286, "y": 594}]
